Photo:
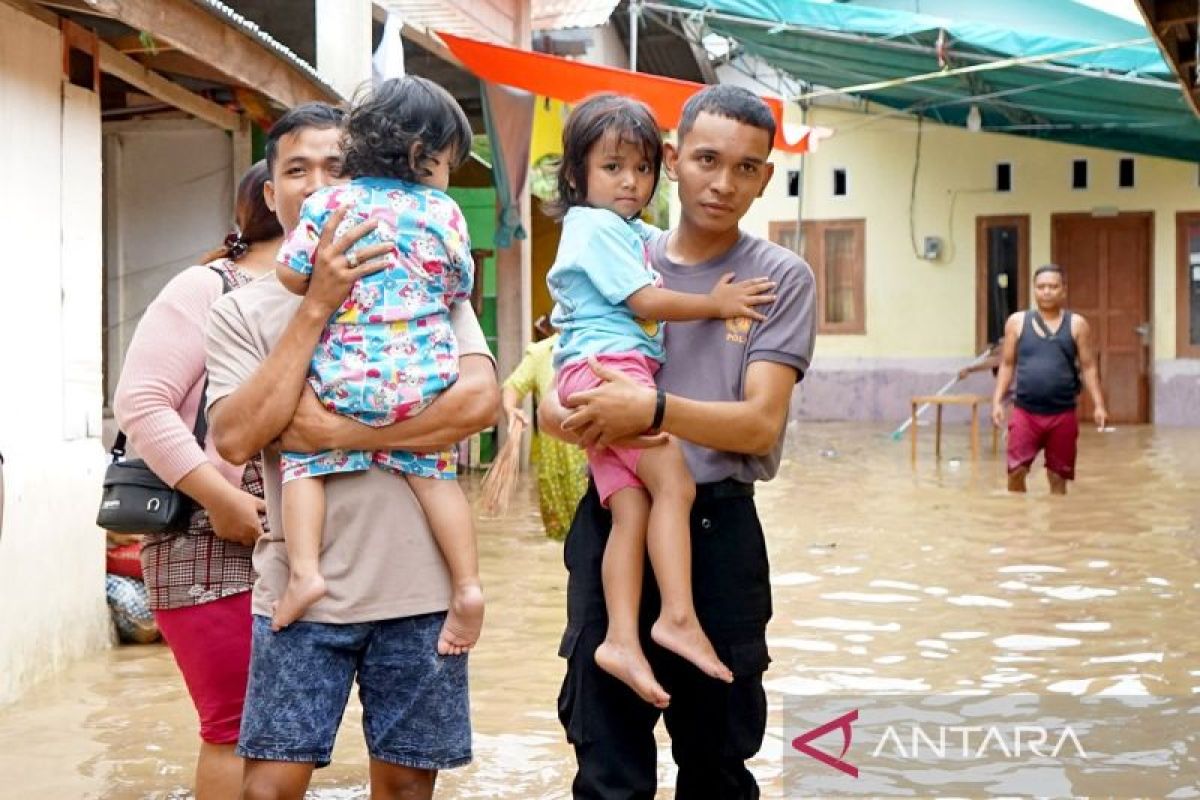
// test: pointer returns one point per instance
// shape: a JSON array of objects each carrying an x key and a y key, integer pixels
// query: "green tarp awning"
[{"x": 1123, "y": 98}]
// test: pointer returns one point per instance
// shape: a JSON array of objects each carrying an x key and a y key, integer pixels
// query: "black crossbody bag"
[{"x": 135, "y": 500}]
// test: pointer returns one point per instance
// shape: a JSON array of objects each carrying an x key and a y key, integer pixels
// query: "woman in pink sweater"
[{"x": 199, "y": 579}]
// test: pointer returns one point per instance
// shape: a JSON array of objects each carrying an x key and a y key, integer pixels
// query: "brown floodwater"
[{"x": 886, "y": 578}]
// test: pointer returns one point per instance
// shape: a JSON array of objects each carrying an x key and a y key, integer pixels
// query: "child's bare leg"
[
  {"x": 303, "y": 526},
  {"x": 449, "y": 515},
  {"x": 620, "y": 654},
  {"x": 669, "y": 542}
]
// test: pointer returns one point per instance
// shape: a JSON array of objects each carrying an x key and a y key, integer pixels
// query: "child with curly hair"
[{"x": 389, "y": 350}]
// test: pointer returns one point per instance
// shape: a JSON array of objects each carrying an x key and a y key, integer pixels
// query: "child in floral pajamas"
[{"x": 389, "y": 350}]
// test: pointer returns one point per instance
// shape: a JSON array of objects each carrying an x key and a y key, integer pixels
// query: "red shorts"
[
  {"x": 1055, "y": 433},
  {"x": 211, "y": 645},
  {"x": 613, "y": 468}
]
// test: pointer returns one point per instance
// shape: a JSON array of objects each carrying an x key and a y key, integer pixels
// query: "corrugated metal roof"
[
  {"x": 553, "y": 15},
  {"x": 660, "y": 51},
  {"x": 251, "y": 29}
]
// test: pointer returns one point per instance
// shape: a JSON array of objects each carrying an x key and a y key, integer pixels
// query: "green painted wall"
[{"x": 479, "y": 207}]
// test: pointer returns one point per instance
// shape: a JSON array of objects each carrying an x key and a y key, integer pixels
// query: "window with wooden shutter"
[{"x": 836, "y": 251}]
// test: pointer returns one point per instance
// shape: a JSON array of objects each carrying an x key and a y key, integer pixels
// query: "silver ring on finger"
[{"x": 352, "y": 259}]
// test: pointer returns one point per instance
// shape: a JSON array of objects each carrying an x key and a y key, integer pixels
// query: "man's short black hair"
[
  {"x": 321, "y": 116},
  {"x": 1050, "y": 268},
  {"x": 731, "y": 102}
]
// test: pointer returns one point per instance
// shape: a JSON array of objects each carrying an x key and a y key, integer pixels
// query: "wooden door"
[{"x": 1107, "y": 264}]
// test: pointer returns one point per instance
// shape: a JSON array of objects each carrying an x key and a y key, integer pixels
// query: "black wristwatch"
[{"x": 660, "y": 408}]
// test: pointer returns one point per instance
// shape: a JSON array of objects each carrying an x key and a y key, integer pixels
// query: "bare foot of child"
[
  {"x": 302, "y": 591},
  {"x": 685, "y": 638},
  {"x": 629, "y": 666},
  {"x": 464, "y": 620}
]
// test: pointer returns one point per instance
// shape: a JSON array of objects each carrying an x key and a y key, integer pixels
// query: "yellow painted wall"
[
  {"x": 918, "y": 308},
  {"x": 546, "y": 136},
  {"x": 546, "y": 139},
  {"x": 544, "y": 244}
]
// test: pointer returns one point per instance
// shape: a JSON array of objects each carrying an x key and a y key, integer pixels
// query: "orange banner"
[{"x": 572, "y": 81}]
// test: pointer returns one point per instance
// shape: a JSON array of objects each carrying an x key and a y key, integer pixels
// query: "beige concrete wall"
[
  {"x": 163, "y": 214},
  {"x": 954, "y": 186},
  {"x": 52, "y": 607},
  {"x": 920, "y": 315}
]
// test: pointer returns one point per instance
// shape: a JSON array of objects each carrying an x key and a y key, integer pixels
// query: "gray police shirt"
[{"x": 707, "y": 360}]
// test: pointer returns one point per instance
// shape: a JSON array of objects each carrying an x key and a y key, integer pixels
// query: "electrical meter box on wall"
[{"x": 932, "y": 249}]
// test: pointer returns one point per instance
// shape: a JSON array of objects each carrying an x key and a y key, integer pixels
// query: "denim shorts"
[{"x": 416, "y": 710}]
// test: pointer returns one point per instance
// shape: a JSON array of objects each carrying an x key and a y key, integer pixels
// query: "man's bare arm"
[
  {"x": 466, "y": 408},
  {"x": 246, "y": 420},
  {"x": 620, "y": 409},
  {"x": 1089, "y": 367},
  {"x": 752, "y": 425},
  {"x": 551, "y": 414}
]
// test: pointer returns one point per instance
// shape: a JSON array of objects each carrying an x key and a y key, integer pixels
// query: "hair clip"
[{"x": 236, "y": 245}]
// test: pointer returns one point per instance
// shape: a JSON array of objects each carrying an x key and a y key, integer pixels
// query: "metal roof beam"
[
  {"x": 116, "y": 63},
  {"x": 1156, "y": 13},
  {"x": 210, "y": 39},
  {"x": 1167, "y": 13},
  {"x": 892, "y": 44}
]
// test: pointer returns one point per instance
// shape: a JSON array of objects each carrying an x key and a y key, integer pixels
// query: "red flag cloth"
[{"x": 572, "y": 81}]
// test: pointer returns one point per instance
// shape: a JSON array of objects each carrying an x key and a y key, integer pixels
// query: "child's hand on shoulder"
[{"x": 738, "y": 299}]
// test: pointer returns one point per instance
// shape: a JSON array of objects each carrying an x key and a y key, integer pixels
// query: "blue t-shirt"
[{"x": 602, "y": 259}]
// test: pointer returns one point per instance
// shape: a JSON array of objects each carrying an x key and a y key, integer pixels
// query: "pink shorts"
[
  {"x": 613, "y": 468},
  {"x": 211, "y": 645},
  {"x": 1055, "y": 433}
]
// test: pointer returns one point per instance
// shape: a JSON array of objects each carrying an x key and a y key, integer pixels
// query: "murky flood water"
[{"x": 886, "y": 579}]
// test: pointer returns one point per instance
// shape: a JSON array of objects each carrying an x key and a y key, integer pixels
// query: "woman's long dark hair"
[{"x": 255, "y": 221}]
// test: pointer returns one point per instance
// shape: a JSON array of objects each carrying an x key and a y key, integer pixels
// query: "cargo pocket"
[
  {"x": 746, "y": 657},
  {"x": 593, "y": 706},
  {"x": 746, "y": 720},
  {"x": 570, "y": 713}
]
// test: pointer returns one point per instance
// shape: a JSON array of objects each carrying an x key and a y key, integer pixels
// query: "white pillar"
[{"x": 344, "y": 44}]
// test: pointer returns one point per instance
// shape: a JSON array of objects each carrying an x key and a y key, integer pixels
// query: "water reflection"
[{"x": 885, "y": 579}]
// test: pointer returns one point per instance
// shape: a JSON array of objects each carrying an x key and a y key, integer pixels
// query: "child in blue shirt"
[{"x": 609, "y": 305}]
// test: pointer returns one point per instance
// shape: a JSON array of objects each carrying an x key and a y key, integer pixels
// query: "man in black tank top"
[{"x": 1049, "y": 349}]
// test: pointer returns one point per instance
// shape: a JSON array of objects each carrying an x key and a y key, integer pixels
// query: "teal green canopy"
[{"x": 1122, "y": 98}]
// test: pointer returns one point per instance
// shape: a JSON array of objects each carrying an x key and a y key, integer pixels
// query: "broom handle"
[{"x": 949, "y": 384}]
